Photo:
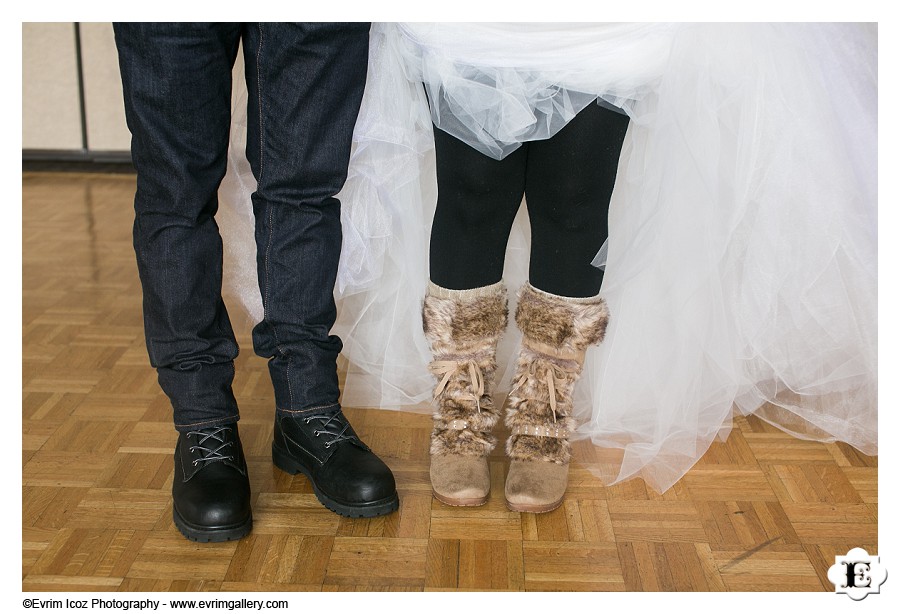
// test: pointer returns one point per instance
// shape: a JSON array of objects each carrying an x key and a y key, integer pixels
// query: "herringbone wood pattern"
[{"x": 761, "y": 511}]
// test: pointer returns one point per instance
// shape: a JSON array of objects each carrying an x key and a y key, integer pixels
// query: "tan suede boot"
[
  {"x": 556, "y": 333},
  {"x": 463, "y": 327}
]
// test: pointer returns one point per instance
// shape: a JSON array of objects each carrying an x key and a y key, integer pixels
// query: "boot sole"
[
  {"x": 473, "y": 502},
  {"x": 533, "y": 509},
  {"x": 372, "y": 509},
  {"x": 205, "y": 535}
]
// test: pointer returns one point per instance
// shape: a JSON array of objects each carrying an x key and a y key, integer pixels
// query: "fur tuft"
[
  {"x": 461, "y": 443},
  {"x": 546, "y": 449}
]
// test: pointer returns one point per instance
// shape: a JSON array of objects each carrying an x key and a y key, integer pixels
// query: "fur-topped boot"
[
  {"x": 463, "y": 327},
  {"x": 556, "y": 333}
]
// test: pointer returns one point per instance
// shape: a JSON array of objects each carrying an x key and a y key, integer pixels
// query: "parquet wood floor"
[{"x": 761, "y": 511}]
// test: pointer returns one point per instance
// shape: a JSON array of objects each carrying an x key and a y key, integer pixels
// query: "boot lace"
[
  {"x": 554, "y": 376},
  {"x": 212, "y": 444}
]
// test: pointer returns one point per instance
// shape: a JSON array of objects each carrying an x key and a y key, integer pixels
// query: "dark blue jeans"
[{"x": 305, "y": 85}]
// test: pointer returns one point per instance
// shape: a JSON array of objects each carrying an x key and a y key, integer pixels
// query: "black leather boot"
[
  {"x": 211, "y": 490},
  {"x": 347, "y": 477}
]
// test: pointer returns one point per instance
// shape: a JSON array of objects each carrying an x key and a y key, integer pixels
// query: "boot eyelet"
[{"x": 317, "y": 433}]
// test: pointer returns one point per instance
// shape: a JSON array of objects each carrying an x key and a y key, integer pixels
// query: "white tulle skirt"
[{"x": 741, "y": 264}]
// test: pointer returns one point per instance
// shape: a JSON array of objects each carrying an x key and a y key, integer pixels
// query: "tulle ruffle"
[{"x": 741, "y": 262}]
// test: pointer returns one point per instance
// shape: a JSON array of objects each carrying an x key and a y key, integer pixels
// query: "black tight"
[{"x": 567, "y": 181}]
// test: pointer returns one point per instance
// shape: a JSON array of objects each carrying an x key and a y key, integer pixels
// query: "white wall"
[
  {"x": 51, "y": 114},
  {"x": 106, "y": 129},
  {"x": 51, "y": 110}
]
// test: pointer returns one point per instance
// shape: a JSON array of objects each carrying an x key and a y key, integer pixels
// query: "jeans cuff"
[
  {"x": 184, "y": 428},
  {"x": 309, "y": 410}
]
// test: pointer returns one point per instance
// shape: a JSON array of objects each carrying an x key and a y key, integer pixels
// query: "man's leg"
[
  {"x": 177, "y": 85},
  {"x": 305, "y": 84}
]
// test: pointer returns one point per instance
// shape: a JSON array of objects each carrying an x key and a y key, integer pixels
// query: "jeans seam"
[
  {"x": 229, "y": 418},
  {"x": 259, "y": 97},
  {"x": 262, "y": 132}
]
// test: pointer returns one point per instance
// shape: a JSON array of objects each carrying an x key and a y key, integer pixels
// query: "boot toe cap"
[
  {"x": 460, "y": 480},
  {"x": 535, "y": 486},
  {"x": 355, "y": 476}
]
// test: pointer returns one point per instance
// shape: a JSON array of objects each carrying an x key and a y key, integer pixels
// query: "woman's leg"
[
  {"x": 464, "y": 312},
  {"x": 478, "y": 198},
  {"x": 568, "y": 184},
  {"x": 569, "y": 181}
]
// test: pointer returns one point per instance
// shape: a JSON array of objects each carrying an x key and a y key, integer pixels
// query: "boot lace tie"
[
  {"x": 334, "y": 421},
  {"x": 448, "y": 368},
  {"x": 554, "y": 376}
]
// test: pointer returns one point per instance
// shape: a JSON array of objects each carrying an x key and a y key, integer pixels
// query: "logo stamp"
[{"x": 857, "y": 574}]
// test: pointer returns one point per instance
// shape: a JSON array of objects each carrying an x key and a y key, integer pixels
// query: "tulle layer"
[
  {"x": 741, "y": 269},
  {"x": 498, "y": 85}
]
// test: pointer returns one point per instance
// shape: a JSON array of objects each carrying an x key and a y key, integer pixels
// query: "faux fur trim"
[
  {"x": 459, "y": 404},
  {"x": 475, "y": 440},
  {"x": 465, "y": 323},
  {"x": 461, "y": 442},
  {"x": 546, "y": 449},
  {"x": 570, "y": 324}
]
